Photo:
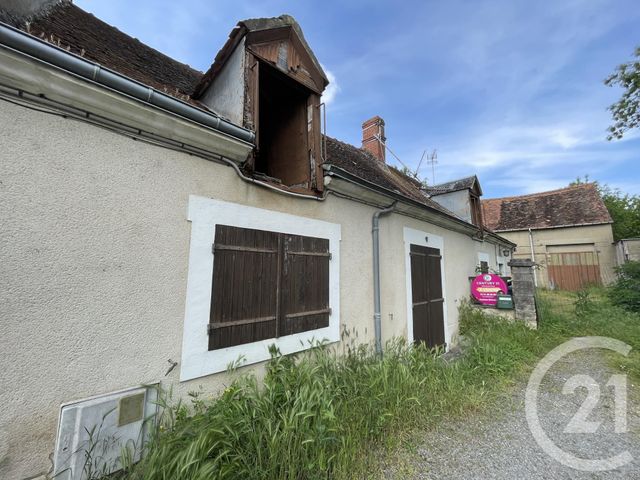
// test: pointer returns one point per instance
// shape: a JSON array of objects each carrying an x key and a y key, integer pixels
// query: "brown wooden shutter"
[
  {"x": 266, "y": 285},
  {"x": 427, "y": 300},
  {"x": 305, "y": 284},
  {"x": 244, "y": 290}
]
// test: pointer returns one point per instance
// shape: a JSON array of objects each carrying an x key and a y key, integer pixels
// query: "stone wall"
[{"x": 524, "y": 291}]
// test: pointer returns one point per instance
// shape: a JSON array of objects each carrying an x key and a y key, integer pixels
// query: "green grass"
[{"x": 324, "y": 415}]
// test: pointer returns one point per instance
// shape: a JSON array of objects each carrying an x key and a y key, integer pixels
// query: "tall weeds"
[{"x": 318, "y": 415}]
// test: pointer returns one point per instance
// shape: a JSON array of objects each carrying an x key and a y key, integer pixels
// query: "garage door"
[{"x": 573, "y": 270}]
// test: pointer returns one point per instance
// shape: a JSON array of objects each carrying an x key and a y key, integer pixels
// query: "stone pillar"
[{"x": 524, "y": 291}]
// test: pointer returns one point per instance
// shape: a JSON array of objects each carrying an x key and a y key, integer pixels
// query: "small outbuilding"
[{"x": 567, "y": 232}]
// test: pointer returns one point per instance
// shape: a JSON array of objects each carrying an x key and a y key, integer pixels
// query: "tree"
[
  {"x": 626, "y": 111},
  {"x": 623, "y": 208}
]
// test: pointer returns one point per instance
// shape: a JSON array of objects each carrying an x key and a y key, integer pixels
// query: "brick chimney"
[{"x": 373, "y": 138}]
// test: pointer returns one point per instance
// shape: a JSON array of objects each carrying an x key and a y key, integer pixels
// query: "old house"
[
  {"x": 462, "y": 197},
  {"x": 567, "y": 232},
  {"x": 160, "y": 223}
]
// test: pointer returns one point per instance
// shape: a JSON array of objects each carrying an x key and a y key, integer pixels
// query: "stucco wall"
[
  {"x": 600, "y": 237},
  {"x": 94, "y": 251},
  {"x": 225, "y": 95},
  {"x": 456, "y": 202},
  {"x": 460, "y": 255}
]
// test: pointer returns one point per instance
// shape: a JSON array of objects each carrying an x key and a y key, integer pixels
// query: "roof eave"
[
  {"x": 434, "y": 215},
  {"x": 588, "y": 224}
]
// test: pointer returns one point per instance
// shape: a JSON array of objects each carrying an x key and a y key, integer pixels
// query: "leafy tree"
[
  {"x": 626, "y": 111},
  {"x": 623, "y": 208}
]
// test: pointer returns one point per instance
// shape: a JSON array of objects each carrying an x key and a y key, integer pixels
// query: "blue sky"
[{"x": 509, "y": 90}]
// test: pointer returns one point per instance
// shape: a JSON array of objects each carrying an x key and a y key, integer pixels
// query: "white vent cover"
[{"x": 93, "y": 433}]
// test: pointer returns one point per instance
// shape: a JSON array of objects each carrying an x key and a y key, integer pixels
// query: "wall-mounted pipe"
[
  {"x": 375, "y": 233},
  {"x": 533, "y": 258},
  {"x": 43, "y": 51},
  {"x": 45, "y": 105}
]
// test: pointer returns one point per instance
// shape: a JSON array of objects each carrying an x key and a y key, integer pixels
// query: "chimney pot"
[{"x": 373, "y": 139}]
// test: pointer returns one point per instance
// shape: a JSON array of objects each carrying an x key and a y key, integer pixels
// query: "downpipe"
[
  {"x": 375, "y": 233},
  {"x": 533, "y": 259}
]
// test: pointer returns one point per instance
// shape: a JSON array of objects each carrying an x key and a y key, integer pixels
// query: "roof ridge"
[
  {"x": 383, "y": 165},
  {"x": 540, "y": 194},
  {"x": 452, "y": 181}
]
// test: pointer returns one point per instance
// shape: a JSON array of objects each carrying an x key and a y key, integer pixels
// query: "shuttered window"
[{"x": 266, "y": 285}]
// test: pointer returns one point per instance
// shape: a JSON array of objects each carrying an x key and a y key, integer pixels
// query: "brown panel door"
[
  {"x": 574, "y": 271},
  {"x": 426, "y": 293}
]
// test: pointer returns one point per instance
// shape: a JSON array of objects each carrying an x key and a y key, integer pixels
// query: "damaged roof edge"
[
  {"x": 463, "y": 226},
  {"x": 240, "y": 31},
  {"x": 27, "y": 44},
  {"x": 551, "y": 227}
]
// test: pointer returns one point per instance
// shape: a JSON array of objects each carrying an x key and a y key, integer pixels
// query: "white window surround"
[
  {"x": 484, "y": 257},
  {"x": 423, "y": 239},
  {"x": 204, "y": 214}
]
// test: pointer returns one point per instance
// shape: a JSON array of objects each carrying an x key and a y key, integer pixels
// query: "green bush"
[{"x": 626, "y": 291}]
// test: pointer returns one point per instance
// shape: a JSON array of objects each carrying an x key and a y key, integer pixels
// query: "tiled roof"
[
  {"x": 571, "y": 206},
  {"x": 79, "y": 32},
  {"x": 73, "y": 29},
  {"x": 453, "y": 185},
  {"x": 364, "y": 165}
]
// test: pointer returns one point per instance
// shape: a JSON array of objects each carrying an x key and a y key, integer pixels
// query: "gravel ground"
[{"x": 499, "y": 444}]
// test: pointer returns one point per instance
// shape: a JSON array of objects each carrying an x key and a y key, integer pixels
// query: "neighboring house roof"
[
  {"x": 566, "y": 207},
  {"x": 466, "y": 183},
  {"x": 365, "y": 165},
  {"x": 71, "y": 28}
]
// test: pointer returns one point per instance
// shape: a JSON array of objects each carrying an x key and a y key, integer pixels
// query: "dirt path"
[{"x": 499, "y": 445}]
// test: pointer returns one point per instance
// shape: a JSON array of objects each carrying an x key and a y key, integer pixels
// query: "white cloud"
[
  {"x": 332, "y": 89},
  {"x": 564, "y": 139}
]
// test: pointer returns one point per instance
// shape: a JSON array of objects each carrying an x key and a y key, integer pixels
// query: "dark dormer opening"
[
  {"x": 282, "y": 134},
  {"x": 267, "y": 79},
  {"x": 476, "y": 209}
]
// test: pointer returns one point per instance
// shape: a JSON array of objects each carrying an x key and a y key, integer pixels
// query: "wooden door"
[
  {"x": 573, "y": 271},
  {"x": 427, "y": 299}
]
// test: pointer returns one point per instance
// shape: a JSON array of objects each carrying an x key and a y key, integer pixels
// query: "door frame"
[{"x": 423, "y": 239}]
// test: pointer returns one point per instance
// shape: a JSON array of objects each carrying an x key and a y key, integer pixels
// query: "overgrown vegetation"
[
  {"x": 626, "y": 111},
  {"x": 626, "y": 291},
  {"x": 320, "y": 415},
  {"x": 624, "y": 208}
]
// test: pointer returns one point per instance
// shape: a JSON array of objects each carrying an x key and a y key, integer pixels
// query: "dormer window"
[
  {"x": 462, "y": 197},
  {"x": 476, "y": 209},
  {"x": 266, "y": 78},
  {"x": 282, "y": 136}
]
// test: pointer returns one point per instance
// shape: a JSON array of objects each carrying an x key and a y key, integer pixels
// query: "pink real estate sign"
[{"x": 485, "y": 288}]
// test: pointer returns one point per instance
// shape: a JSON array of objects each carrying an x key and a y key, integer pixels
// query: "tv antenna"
[{"x": 432, "y": 159}]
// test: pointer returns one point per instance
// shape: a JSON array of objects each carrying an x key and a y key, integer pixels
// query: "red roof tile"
[
  {"x": 570, "y": 206},
  {"x": 365, "y": 165},
  {"x": 79, "y": 32}
]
